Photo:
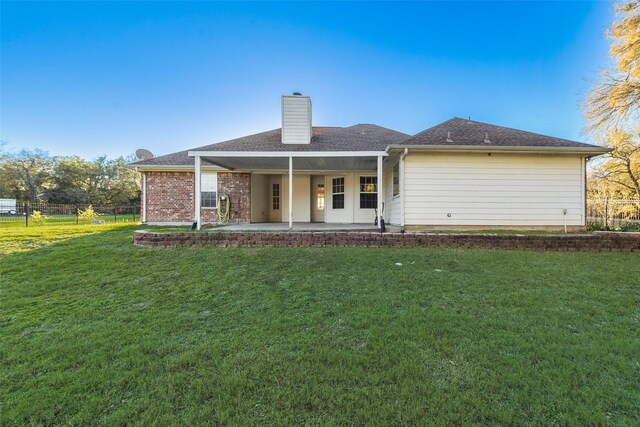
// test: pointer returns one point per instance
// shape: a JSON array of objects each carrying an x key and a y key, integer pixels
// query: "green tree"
[{"x": 25, "y": 175}]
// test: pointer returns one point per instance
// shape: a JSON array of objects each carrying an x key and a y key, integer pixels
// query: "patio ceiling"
[{"x": 299, "y": 163}]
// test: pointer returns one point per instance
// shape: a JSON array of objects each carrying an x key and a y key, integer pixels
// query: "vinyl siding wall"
[
  {"x": 391, "y": 204},
  {"x": 296, "y": 120},
  {"x": 496, "y": 190}
]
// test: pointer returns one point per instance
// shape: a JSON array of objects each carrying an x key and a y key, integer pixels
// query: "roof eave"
[
  {"x": 194, "y": 153},
  {"x": 172, "y": 168},
  {"x": 588, "y": 150}
]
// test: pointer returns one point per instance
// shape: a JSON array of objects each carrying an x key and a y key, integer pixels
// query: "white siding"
[
  {"x": 301, "y": 198},
  {"x": 296, "y": 120},
  {"x": 501, "y": 189},
  {"x": 392, "y": 204}
]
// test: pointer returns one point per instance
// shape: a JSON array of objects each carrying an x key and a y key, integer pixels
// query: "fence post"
[
  {"x": 134, "y": 212},
  {"x": 77, "y": 214},
  {"x": 26, "y": 214},
  {"x": 115, "y": 214},
  {"x": 606, "y": 213}
]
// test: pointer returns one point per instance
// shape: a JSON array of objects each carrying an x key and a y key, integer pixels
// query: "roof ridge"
[
  {"x": 433, "y": 127},
  {"x": 517, "y": 130}
]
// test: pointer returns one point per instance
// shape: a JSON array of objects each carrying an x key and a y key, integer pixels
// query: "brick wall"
[
  {"x": 596, "y": 242},
  {"x": 238, "y": 186},
  {"x": 170, "y": 197}
]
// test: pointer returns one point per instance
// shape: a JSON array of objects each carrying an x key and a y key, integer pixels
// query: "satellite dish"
[{"x": 143, "y": 154}]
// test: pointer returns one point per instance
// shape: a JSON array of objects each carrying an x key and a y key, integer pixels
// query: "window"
[
  {"x": 337, "y": 190},
  {"x": 275, "y": 197},
  {"x": 368, "y": 192},
  {"x": 396, "y": 179},
  {"x": 320, "y": 197},
  {"x": 209, "y": 190}
]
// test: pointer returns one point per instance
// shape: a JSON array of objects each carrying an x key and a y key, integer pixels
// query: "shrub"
[
  {"x": 597, "y": 226},
  {"x": 38, "y": 218},
  {"x": 630, "y": 227},
  {"x": 87, "y": 215}
]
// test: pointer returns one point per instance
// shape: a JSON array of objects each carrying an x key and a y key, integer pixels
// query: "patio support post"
[
  {"x": 198, "y": 179},
  {"x": 379, "y": 185},
  {"x": 290, "y": 192},
  {"x": 402, "y": 187}
]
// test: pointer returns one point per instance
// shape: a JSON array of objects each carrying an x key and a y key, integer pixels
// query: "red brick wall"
[
  {"x": 238, "y": 186},
  {"x": 170, "y": 197}
]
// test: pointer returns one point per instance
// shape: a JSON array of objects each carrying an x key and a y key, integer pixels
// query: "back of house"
[{"x": 459, "y": 174}]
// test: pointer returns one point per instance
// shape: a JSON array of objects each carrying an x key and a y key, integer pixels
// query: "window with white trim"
[
  {"x": 337, "y": 193},
  {"x": 396, "y": 179},
  {"x": 275, "y": 197},
  {"x": 209, "y": 190},
  {"x": 368, "y": 192},
  {"x": 320, "y": 197}
]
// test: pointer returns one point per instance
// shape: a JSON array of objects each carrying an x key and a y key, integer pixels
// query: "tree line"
[
  {"x": 612, "y": 111},
  {"x": 36, "y": 176}
]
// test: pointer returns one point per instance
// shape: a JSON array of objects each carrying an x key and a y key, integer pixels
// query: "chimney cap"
[{"x": 296, "y": 94}]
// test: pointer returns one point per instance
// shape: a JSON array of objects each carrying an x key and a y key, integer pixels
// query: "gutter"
[
  {"x": 592, "y": 151},
  {"x": 173, "y": 168}
]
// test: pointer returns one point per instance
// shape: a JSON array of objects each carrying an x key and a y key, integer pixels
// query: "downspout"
[
  {"x": 584, "y": 191},
  {"x": 402, "y": 186},
  {"x": 379, "y": 185}
]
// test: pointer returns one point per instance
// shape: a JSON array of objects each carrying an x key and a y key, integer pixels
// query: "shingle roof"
[
  {"x": 460, "y": 132},
  {"x": 367, "y": 137},
  {"x": 361, "y": 137}
]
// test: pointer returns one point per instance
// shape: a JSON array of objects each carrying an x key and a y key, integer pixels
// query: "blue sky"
[{"x": 91, "y": 78}]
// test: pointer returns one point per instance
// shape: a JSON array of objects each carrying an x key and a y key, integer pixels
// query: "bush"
[
  {"x": 87, "y": 215},
  {"x": 597, "y": 226},
  {"x": 38, "y": 218},
  {"x": 630, "y": 227}
]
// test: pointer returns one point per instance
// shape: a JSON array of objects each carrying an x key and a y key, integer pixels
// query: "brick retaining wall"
[{"x": 596, "y": 242}]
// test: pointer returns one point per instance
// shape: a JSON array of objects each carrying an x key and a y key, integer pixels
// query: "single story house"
[{"x": 459, "y": 174}]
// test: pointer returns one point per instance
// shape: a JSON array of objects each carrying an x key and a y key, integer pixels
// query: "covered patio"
[{"x": 298, "y": 163}]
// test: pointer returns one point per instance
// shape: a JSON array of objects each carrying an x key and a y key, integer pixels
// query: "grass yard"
[{"x": 96, "y": 331}]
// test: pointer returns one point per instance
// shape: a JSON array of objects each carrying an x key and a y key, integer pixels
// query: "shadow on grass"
[{"x": 95, "y": 330}]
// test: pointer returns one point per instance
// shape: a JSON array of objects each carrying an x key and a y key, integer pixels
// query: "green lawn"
[
  {"x": 96, "y": 331},
  {"x": 19, "y": 220}
]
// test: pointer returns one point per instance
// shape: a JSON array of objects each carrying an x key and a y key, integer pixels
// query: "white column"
[
  {"x": 143, "y": 213},
  {"x": 380, "y": 192},
  {"x": 401, "y": 187},
  {"x": 198, "y": 180},
  {"x": 290, "y": 192}
]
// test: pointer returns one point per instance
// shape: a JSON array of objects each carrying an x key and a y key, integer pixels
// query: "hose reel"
[{"x": 224, "y": 208}]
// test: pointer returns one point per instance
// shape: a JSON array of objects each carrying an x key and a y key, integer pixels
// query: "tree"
[
  {"x": 34, "y": 176},
  {"x": 69, "y": 180},
  {"x": 616, "y": 98},
  {"x": 612, "y": 109},
  {"x": 622, "y": 166},
  {"x": 25, "y": 175}
]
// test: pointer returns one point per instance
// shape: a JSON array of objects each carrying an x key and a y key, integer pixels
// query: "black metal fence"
[
  {"x": 28, "y": 214},
  {"x": 612, "y": 214}
]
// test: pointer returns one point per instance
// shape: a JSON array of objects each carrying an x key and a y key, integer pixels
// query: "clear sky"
[{"x": 91, "y": 78}]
